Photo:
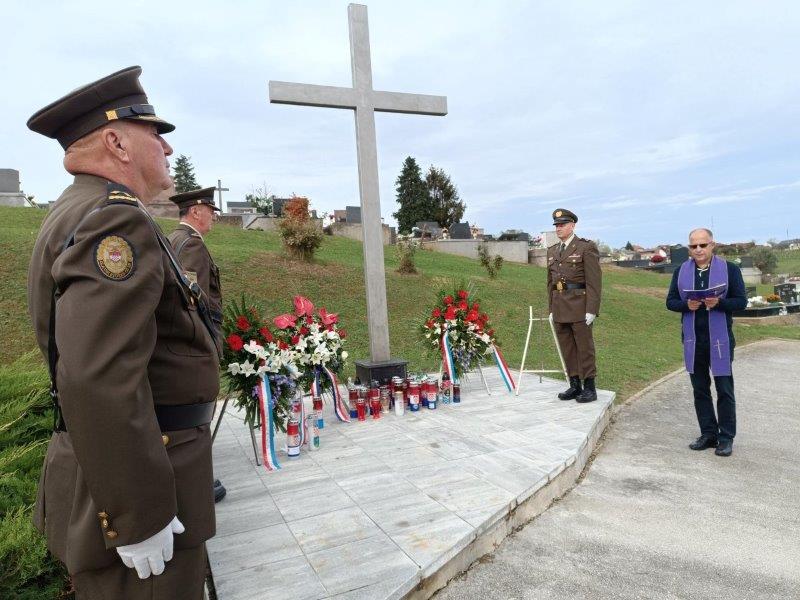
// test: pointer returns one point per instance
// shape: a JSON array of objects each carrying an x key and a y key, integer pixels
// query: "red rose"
[
  {"x": 448, "y": 300},
  {"x": 242, "y": 324},
  {"x": 450, "y": 313},
  {"x": 342, "y": 333},
  {"x": 283, "y": 345},
  {"x": 472, "y": 316},
  {"x": 284, "y": 321},
  {"x": 329, "y": 327},
  {"x": 304, "y": 330},
  {"x": 302, "y": 306},
  {"x": 463, "y": 305},
  {"x": 436, "y": 313},
  {"x": 295, "y": 340},
  {"x": 309, "y": 319},
  {"x": 235, "y": 343},
  {"x": 266, "y": 334},
  {"x": 462, "y": 294}
]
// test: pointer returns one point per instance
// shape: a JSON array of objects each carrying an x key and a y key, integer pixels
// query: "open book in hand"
[{"x": 712, "y": 292}]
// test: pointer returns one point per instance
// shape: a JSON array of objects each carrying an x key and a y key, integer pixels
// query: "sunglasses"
[{"x": 695, "y": 246}]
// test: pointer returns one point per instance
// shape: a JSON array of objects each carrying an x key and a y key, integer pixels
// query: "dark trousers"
[
  {"x": 577, "y": 347},
  {"x": 721, "y": 425},
  {"x": 182, "y": 579}
]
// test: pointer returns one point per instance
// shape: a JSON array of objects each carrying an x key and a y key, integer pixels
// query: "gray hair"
[{"x": 708, "y": 231}]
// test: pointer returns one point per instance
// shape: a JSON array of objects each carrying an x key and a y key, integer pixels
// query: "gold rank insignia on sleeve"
[{"x": 114, "y": 258}]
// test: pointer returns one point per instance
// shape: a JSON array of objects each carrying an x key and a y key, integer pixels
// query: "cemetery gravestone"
[{"x": 10, "y": 194}]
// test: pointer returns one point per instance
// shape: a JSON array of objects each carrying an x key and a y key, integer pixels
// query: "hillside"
[{"x": 637, "y": 338}]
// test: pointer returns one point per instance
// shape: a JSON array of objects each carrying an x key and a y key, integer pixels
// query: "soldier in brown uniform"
[
  {"x": 573, "y": 283},
  {"x": 126, "y": 483},
  {"x": 197, "y": 212}
]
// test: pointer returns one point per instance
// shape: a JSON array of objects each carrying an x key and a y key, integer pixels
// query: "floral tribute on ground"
[
  {"x": 266, "y": 370},
  {"x": 458, "y": 332}
]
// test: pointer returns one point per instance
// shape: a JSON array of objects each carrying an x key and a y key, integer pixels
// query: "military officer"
[
  {"x": 197, "y": 213},
  {"x": 573, "y": 287},
  {"x": 126, "y": 483}
]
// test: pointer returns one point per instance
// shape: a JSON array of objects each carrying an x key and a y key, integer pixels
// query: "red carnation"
[
  {"x": 295, "y": 340},
  {"x": 266, "y": 334},
  {"x": 436, "y": 313},
  {"x": 448, "y": 300},
  {"x": 484, "y": 317},
  {"x": 475, "y": 306},
  {"x": 304, "y": 330},
  {"x": 472, "y": 316},
  {"x": 309, "y": 319},
  {"x": 283, "y": 345},
  {"x": 235, "y": 343},
  {"x": 342, "y": 333},
  {"x": 429, "y": 323},
  {"x": 463, "y": 305},
  {"x": 242, "y": 324},
  {"x": 450, "y": 313},
  {"x": 462, "y": 294}
]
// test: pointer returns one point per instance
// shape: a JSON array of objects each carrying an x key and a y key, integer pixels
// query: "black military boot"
[
  {"x": 589, "y": 393},
  {"x": 573, "y": 391},
  {"x": 219, "y": 491}
]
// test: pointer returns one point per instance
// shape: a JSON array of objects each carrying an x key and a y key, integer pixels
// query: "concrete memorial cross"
[
  {"x": 364, "y": 101},
  {"x": 221, "y": 189}
]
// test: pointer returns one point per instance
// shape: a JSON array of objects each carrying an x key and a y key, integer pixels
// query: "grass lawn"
[{"x": 637, "y": 341}]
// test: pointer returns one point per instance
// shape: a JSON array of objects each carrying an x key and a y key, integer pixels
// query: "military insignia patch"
[
  {"x": 191, "y": 276},
  {"x": 559, "y": 213},
  {"x": 114, "y": 258}
]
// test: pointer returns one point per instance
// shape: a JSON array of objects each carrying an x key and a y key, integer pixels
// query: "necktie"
[{"x": 563, "y": 247}]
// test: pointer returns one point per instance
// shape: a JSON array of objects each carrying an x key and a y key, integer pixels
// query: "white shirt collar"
[
  {"x": 568, "y": 241},
  {"x": 192, "y": 228}
]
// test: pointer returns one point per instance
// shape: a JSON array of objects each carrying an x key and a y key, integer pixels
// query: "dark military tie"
[{"x": 563, "y": 247}]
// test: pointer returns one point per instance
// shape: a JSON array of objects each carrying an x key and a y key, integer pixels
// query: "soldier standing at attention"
[
  {"x": 574, "y": 281},
  {"x": 197, "y": 213},
  {"x": 126, "y": 483}
]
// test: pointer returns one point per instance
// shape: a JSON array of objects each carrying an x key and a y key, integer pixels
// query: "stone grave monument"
[{"x": 10, "y": 194}]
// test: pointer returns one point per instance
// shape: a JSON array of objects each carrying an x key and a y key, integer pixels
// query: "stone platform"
[{"x": 395, "y": 507}]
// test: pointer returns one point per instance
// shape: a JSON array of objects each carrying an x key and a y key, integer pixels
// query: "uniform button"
[
  {"x": 165, "y": 439},
  {"x": 104, "y": 523},
  {"x": 110, "y": 534},
  {"x": 102, "y": 515}
]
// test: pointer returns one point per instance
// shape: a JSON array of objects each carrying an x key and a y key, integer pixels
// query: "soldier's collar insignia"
[
  {"x": 115, "y": 258},
  {"x": 117, "y": 192}
]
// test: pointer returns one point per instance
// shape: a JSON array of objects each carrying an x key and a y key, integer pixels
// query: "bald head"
[
  {"x": 703, "y": 230},
  {"x": 701, "y": 246}
]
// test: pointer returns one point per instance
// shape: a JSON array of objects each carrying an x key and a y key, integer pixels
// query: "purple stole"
[{"x": 717, "y": 322}]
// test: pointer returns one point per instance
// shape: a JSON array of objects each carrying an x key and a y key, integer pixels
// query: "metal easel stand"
[
  {"x": 250, "y": 427},
  {"x": 539, "y": 372},
  {"x": 466, "y": 376}
]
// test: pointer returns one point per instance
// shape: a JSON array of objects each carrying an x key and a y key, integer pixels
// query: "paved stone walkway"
[
  {"x": 654, "y": 519},
  {"x": 384, "y": 504}
]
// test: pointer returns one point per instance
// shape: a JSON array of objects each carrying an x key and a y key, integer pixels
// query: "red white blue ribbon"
[
  {"x": 339, "y": 407},
  {"x": 505, "y": 373},
  {"x": 269, "y": 458},
  {"x": 447, "y": 357}
]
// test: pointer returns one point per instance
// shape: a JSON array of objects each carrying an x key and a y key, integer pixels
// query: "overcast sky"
[{"x": 644, "y": 118}]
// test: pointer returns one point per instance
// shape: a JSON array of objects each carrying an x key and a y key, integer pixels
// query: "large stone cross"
[
  {"x": 362, "y": 99},
  {"x": 221, "y": 189}
]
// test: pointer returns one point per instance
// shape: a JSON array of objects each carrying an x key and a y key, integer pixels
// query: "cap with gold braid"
[
  {"x": 194, "y": 197},
  {"x": 116, "y": 96}
]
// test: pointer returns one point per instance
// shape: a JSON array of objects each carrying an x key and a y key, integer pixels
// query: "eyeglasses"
[{"x": 695, "y": 246}]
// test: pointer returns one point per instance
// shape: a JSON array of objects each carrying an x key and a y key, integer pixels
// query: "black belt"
[
  {"x": 173, "y": 417},
  {"x": 571, "y": 286}
]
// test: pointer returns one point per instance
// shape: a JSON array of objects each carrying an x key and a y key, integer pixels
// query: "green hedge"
[{"x": 27, "y": 571}]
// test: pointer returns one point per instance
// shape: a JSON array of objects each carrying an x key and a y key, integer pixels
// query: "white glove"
[
  {"x": 551, "y": 318},
  {"x": 590, "y": 318},
  {"x": 150, "y": 555}
]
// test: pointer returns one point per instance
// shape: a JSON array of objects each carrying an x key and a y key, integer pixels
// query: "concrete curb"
[{"x": 506, "y": 522}]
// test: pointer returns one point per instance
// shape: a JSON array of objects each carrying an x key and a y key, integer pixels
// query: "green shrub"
[
  {"x": 301, "y": 236},
  {"x": 492, "y": 264}
]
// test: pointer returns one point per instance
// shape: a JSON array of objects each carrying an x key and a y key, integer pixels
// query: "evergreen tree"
[
  {"x": 412, "y": 196},
  {"x": 629, "y": 246},
  {"x": 443, "y": 197},
  {"x": 184, "y": 175}
]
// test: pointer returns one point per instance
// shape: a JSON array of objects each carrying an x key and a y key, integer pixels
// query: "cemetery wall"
[
  {"x": 516, "y": 252},
  {"x": 264, "y": 223},
  {"x": 355, "y": 232}
]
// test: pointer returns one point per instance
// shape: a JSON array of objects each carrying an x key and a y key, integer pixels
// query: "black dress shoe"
[
  {"x": 703, "y": 442},
  {"x": 589, "y": 393},
  {"x": 724, "y": 448},
  {"x": 219, "y": 491},
  {"x": 574, "y": 389}
]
